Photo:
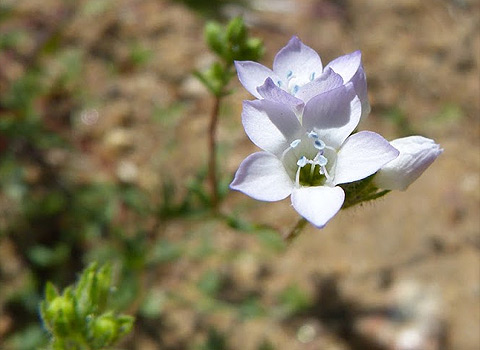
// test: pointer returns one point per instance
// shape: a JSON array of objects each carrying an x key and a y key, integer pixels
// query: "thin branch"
[
  {"x": 212, "y": 144},
  {"x": 295, "y": 232}
]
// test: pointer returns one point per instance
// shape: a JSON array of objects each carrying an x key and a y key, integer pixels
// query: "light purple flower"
[
  {"x": 416, "y": 155},
  {"x": 298, "y": 75},
  {"x": 307, "y": 157}
]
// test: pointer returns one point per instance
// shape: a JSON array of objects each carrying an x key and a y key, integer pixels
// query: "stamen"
[
  {"x": 312, "y": 168},
  {"x": 302, "y": 162},
  {"x": 330, "y": 148},
  {"x": 319, "y": 144},
  {"x": 297, "y": 177},
  {"x": 312, "y": 76},
  {"x": 325, "y": 172},
  {"x": 295, "y": 89},
  {"x": 318, "y": 175},
  {"x": 295, "y": 143},
  {"x": 289, "y": 74},
  {"x": 321, "y": 160},
  {"x": 279, "y": 83}
]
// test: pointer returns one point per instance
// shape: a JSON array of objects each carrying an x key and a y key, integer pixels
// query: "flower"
[
  {"x": 416, "y": 155},
  {"x": 307, "y": 157},
  {"x": 298, "y": 75}
]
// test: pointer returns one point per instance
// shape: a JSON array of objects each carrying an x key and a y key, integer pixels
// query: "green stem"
[
  {"x": 212, "y": 161},
  {"x": 295, "y": 232}
]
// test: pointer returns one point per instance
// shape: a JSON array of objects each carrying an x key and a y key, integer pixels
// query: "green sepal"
[
  {"x": 59, "y": 314},
  {"x": 103, "y": 285},
  {"x": 50, "y": 292},
  {"x": 125, "y": 324},
  {"x": 85, "y": 302},
  {"x": 361, "y": 191}
]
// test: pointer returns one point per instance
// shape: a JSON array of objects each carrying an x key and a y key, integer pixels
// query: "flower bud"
[
  {"x": 416, "y": 155},
  {"x": 60, "y": 314},
  {"x": 104, "y": 330}
]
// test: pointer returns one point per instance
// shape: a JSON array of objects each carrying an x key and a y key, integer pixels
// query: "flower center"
[
  {"x": 292, "y": 83},
  {"x": 309, "y": 155}
]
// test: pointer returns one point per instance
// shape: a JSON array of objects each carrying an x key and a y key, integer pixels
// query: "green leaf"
[
  {"x": 236, "y": 32},
  {"x": 214, "y": 36}
]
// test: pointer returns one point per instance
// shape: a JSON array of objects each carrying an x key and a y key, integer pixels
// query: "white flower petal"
[
  {"x": 262, "y": 176},
  {"x": 272, "y": 92},
  {"x": 328, "y": 80},
  {"x": 252, "y": 75},
  {"x": 350, "y": 68},
  {"x": 270, "y": 125},
  {"x": 333, "y": 114},
  {"x": 346, "y": 65},
  {"x": 318, "y": 204},
  {"x": 298, "y": 60},
  {"x": 362, "y": 155},
  {"x": 417, "y": 153},
  {"x": 359, "y": 81}
]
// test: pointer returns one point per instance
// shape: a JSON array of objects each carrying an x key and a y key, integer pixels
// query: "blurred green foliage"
[
  {"x": 215, "y": 341},
  {"x": 293, "y": 300}
]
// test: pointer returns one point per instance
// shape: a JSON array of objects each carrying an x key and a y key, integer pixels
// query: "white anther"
[
  {"x": 319, "y": 144},
  {"x": 295, "y": 143},
  {"x": 302, "y": 161},
  {"x": 321, "y": 160}
]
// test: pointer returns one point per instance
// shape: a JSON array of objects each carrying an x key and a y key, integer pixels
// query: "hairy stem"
[
  {"x": 212, "y": 145},
  {"x": 296, "y": 230}
]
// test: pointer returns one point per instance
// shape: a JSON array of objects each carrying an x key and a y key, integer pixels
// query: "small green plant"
[
  {"x": 229, "y": 43},
  {"x": 80, "y": 318}
]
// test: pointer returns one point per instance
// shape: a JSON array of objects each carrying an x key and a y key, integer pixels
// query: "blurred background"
[{"x": 103, "y": 153}]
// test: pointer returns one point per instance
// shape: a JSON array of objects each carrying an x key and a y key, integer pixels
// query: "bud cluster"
[
  {"x": 229, "y": 43},
  {"x": 79, "y": 318}
]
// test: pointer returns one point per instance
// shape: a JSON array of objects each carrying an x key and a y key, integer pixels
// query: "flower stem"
[
  {"x": 212, "y": 144},
  {"x": 295, "y": 232}
]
